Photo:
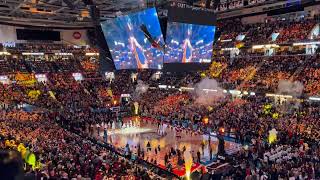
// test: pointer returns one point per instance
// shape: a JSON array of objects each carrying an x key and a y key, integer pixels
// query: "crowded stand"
[
  {"x": 251, "y": 113},
  {"x": 168, "y": 105},
  {"x": 293, "y": 31},
  {"x": 289, "y": 31},
  {"x": 48, "y": 48},
  {"x": 62, "y": 154}
]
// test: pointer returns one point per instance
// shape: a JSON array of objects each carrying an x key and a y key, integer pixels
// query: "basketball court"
[{"x": 136, "y": 132}]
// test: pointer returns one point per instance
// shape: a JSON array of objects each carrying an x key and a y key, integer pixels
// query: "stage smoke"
[
  {"x": 154, "y": 76},
  {"x": 207, "y": 92},
  {"x": 294, "y": 89},
  {"x": 141, "y": 87}
]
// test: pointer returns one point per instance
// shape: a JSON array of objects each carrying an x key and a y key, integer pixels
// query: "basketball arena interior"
[{"x": 159, "y": 89}]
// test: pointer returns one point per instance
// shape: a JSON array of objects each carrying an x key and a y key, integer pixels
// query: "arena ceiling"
[{"x": 71, "y": 13}]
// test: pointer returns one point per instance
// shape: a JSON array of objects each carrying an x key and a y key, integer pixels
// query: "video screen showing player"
[
  {"x": 189, "y": 43},
  {"x": 135, "y": 40}
]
